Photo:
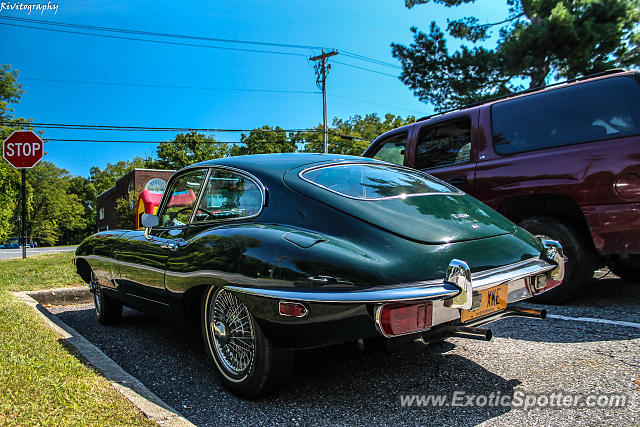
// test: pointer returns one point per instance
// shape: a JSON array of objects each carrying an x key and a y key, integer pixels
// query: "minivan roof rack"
[{"x": 535, "y": 89}]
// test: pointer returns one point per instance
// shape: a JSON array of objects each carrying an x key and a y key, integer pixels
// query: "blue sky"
[{"x": 362, "y": 27}]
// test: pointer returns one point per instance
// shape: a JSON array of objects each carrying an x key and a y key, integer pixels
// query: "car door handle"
[{"x": 458, "y": 181}]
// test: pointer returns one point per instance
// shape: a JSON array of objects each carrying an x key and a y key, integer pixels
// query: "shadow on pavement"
[{"x": 336, "y": 385}]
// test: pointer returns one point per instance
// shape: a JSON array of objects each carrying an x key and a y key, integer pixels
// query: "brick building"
[{"x": 138, "y": 180}]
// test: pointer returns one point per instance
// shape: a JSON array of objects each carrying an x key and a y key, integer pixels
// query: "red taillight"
[
  {"x": 542, "y": 283},
  {"x": 551, "y": 284},
  {"x": 292, "y": 309},
  {"x": 400, "y": 319}
]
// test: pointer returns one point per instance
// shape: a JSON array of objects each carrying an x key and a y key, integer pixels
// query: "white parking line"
[{"x": 594, "y": 320}]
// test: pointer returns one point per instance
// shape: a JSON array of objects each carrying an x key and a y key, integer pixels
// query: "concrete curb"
[
  {"x": 62, "y": 296},
  {"x": 130, "y": 387}
]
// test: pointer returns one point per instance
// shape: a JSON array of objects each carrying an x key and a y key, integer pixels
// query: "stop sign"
[{"x": 23, "y": 149}]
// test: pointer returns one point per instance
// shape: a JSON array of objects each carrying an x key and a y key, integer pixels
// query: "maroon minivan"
[{"x": 562, "y": 162}]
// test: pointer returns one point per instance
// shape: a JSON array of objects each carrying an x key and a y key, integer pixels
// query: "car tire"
[
  {"x": 625, "y": 272},
  {"x": 580, "y": 263},
  {"x": 247, "y": 364},
  {"x": 108, "y": 311}
]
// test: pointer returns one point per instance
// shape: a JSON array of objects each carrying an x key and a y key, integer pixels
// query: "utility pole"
[{"x": 322, "y": 68}]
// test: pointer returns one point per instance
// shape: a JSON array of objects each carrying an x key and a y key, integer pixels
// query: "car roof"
[{"x": 277, "y": 164}]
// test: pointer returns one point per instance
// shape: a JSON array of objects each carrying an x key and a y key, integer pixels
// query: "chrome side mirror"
[{"x": 149, "y": 221}]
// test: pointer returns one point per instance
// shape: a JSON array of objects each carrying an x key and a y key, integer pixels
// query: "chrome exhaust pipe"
[
  {"x": 469, "y": 332},
  {"x": 525, "y": 312}
]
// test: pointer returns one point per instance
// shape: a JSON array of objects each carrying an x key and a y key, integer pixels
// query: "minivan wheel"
[
  {"x": 246, "y": 362},
  {"x": 108, "y": 311},
  {"x": 580, "y": 257}
]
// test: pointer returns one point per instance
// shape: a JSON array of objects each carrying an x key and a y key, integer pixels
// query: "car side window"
[
  {"x": 392, "y": 149},
  {"x": 585, "y": 112},
  {"x": 229, "y": 195},
  {"x": 183, "y": 195},
  {"x": 444, "y": 144}
]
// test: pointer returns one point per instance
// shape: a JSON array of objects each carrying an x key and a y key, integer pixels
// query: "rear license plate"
[{"x": 492, "y": 300}]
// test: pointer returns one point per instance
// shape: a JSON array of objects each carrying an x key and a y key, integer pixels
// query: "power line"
[
  {"x": 375, "y": 103},
  {"x": 372, "y": 60},
  {"x": 156, "y": 41},
  {"x": 185, "y": 36},
  {"x": 157, "y": 34},
  {"x": 129, "y": 141},
  {"x": 69, "y": 126},
  {"x": 361, "y": 68},
  {"x": 140, "y": 142},
  {"x": 128, "y": 84},
  {"x": 168, "y": 86}
]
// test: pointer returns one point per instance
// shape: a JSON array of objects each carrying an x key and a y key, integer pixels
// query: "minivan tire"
[{"x": 580, "y": 263}]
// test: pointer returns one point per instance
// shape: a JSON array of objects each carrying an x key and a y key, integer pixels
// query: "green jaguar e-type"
[{"x": 277, "y": 252}]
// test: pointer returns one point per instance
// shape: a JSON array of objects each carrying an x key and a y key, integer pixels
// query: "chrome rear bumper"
[{"x": 458, "y": 284}]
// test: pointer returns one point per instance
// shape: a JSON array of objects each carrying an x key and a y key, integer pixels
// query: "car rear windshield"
[
  {"x": 586, "y": 112},
  {"x": 372, "y": 181}
]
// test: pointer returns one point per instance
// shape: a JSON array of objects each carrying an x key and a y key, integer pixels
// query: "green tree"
[
  {"x": 362, "y": 130},
  {"x": 102, "y": 180},
  {"x": 55, "y": 211},
  {"x": 10, "y": 93},
  {"x": 539, "y": 40},
  {"x": 187, "y": 149},
  {"x": 126, "y": 213},
  {"x": 264, "y": 140},
  {"x": 85, "y": 191}
]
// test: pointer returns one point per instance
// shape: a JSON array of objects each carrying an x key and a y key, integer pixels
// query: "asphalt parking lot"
[{"x": 343, "y": 385}]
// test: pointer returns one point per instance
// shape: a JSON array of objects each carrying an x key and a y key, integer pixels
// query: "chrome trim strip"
[
  {"x": 205, "y": 183},
  {"x": 413, "y": 293},
  {"x": 427, "y": 290},
  {"x": 508, "y": 273}
]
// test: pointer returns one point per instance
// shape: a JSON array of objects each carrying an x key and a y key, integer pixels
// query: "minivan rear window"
[
  {"x": 372, "y": 181},
  {"x": 586, "y": 112}
]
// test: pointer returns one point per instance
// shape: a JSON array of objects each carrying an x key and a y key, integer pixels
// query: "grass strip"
[{"x": 42, "y": 380}]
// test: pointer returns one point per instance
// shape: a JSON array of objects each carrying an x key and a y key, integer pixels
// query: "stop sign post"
[{"x": 23, "y": 150}]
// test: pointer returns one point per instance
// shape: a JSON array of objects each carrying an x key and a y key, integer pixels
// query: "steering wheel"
[
  {"x": 173, "y": 215},
  {"x": 210, "y": 214}
]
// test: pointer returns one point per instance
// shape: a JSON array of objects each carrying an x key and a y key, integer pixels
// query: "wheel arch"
[
  {"x": 83, "y": 269},
  {"x": 552, "y": 205}
]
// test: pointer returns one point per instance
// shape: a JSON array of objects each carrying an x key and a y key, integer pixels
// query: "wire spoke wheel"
[{"x": 232, "y": 333}]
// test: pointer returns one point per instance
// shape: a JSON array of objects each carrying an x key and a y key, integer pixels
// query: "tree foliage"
[
  {"x": 10, "y": 93},
  {"x": 86, "y": 193},
  {"x": 361, "y": 131},
  {"x": 102, "y": 180},
  {"x": 265, "y": 140},
  {"x": 126, "y": 213},
  {"x": 55, "y": 210},
  {"x": 539, "y": 40},
  {"x": 187, "y": 149}
]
